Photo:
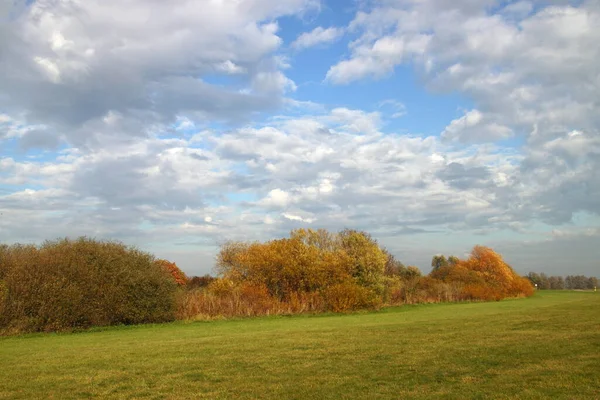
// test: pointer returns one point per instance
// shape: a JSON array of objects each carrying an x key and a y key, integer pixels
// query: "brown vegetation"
[
  {"x": 320, "y": 271},
  {"x": 69, "y": 284}
]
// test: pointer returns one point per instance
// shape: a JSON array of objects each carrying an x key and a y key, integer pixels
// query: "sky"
[{"x": 434, "y": 125}]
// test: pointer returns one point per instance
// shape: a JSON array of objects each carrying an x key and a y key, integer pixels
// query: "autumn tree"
[
  {"x": 453, "y": 261},
  {"x": 393, "y": 267},
  {"x": 178, "y": 275},
  {"x": 366, "y": 257},
  {"x": 500, "y": 278}
]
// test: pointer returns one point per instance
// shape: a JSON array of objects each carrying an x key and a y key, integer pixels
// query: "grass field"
[{"x": 547, "y": 346}]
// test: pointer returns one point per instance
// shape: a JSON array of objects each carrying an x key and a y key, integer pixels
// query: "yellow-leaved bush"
[{"x": 315, "y": 270}]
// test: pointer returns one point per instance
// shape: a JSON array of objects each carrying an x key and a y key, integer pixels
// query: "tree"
[
  {"x": 576, "y": 282},
  {"x": 412, "y": 272},
  {"x": 534, "y": 278},
  {"x": 498, "y": 276},
  {"x": 438, "y": 262},
  {"x": 453, "y": 261},
  {"x": 556, "y": 282},
  {"x": 544, "y": 282},
  {"x": 393, "y": 267},
  {"x": 178, "y": 275},
  {"x": 367, "y": 258}
]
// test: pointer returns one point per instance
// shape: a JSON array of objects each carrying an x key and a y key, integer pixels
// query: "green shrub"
[{"x": 67, "y": 284}]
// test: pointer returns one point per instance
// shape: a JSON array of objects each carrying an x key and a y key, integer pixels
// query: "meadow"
[{"x": 545, "y": 346}]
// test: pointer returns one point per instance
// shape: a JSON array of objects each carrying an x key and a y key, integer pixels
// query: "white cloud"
[
  {"x": 297, "y": 218},
  {"x": 519, "y": 9},
  {"x": 230, "y": 68},
  {"x": 156, "y": 191},
  {"x": 317, "y": 36},
  {"x": 145, "y": 62},
  {"x": 276, "y": 198},
  {"x": 49, "y": 68},
  {"x": 131, "y": 95},
  {"x": 536, "y": 67},
  {"x": 378, "y": 58},
  {"x": 273, "y": 82},
  {"x": 475, "y": 127},
  {"x": 356, "y": 121}
]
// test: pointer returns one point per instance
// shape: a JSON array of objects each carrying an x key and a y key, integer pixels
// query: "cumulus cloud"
[
  {"x": 475, "y": 126},
  {"x": 317, "y": 36},
  {"x": 349, "y": 175},
  {"x": 317, "y": 169},
  {"x": 521, "y": 64},
  {"x": 378, "y": 58},
  {"x": 126, "y": 119},
  {"x": 148, "y": 62}
]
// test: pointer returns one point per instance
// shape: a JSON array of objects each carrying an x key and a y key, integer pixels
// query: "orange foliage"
[
  {"x": 174, "y": 270},
  {"x": 485, "y": 276},
  {"x": 317, "y": 271},
  {"x": 307, "y": 262}
]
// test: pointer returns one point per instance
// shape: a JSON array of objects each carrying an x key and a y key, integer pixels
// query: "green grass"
[{"x": 547, "y": 346}]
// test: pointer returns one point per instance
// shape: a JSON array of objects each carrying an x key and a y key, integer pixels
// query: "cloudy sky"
[{"x": 175, "y": 125}]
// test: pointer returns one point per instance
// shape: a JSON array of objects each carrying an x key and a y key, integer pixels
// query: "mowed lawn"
[{"x": 547, "y": 346}]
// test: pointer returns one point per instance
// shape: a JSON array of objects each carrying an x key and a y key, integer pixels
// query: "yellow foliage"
[{"x": 349, "y": 296}]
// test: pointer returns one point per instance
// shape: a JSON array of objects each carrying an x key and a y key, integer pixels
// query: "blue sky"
[{"x": 433, "y": 125}]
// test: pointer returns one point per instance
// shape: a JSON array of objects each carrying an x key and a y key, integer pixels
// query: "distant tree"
[
  {"x": 592, "y": 282},
  {"x": 438, "y": 262},
  {"x": 581, "y": 282},
  {"x": 535, "y": 279},
  {"x": 569, "y": 282},
  {"x": 576, "y": 282},
  {"x": 556, "y": 282},
  {"x": 544, "y": 282},
  {"x": 453, "y": 261}
]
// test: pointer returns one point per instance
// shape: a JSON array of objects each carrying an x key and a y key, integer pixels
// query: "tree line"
[{"x": 570, "y": 282}]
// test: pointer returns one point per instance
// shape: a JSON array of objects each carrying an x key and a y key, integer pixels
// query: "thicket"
[
  {"x": 69, "y": 284},
  {"x": 315, "y": 270}
]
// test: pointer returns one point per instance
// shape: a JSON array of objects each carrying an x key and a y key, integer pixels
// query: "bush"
[
  {"x": 483, "y": 276},
  {"x": 196, "y": 282},
  {"x": 222, "y": 299},
  {"x": 67, "y": 284},
  {"x": 349, "y": 296}
]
